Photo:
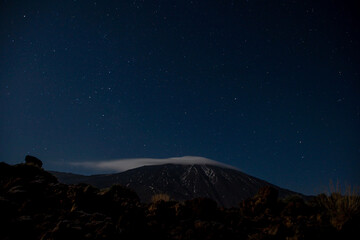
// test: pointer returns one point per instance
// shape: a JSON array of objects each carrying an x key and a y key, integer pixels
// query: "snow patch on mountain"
[{"x": 210, "y": 174}]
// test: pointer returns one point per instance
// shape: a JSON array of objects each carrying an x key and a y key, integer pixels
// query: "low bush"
[
  {"x": 160, "y": 197},
  {"x": 341, "y": 206}
]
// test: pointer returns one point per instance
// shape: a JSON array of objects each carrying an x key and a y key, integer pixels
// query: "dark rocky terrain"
[
  {"x": 181, "y": 182},
  {"x": 34, "y": 205}
]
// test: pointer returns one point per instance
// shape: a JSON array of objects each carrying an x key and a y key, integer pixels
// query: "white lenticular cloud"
[{"x": 120, "y": 165}]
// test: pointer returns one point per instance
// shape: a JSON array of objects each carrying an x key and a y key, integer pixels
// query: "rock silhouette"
[
  {"x": 34, "y": 205},
  {"x": 33, "y": 161}
]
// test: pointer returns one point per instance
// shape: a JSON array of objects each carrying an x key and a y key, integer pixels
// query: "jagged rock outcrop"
[
  {"x": 31, "y": 160},
  {"x": 34, "y": 205}
]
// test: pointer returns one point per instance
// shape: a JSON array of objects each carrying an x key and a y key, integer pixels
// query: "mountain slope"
[{"x": 181, "y": 182}]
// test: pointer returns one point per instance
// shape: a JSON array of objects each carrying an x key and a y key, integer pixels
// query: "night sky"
[{"x": 270, "y": 87}]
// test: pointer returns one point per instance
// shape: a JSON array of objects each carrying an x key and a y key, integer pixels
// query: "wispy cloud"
[{"x": 120, "y": 165}]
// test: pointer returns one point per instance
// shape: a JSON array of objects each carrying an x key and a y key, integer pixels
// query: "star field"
[{"x": 269, "y": 87}]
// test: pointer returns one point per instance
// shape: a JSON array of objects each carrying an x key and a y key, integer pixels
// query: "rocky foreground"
[{"x": 34, "y": 205}]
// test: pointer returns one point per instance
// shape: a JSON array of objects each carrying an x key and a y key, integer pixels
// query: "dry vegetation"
[
  {"x": 160, "y": 197},
  {"x": 342, "y": 206}
]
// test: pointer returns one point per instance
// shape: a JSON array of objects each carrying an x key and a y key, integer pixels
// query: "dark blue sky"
[{"x": 271, "y": 87}]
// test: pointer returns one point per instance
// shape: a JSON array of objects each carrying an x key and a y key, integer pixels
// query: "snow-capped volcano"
[
  {"x": 120, "y": 165},
  {"x": 181, "y": 181}
]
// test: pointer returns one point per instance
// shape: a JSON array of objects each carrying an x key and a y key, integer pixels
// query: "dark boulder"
[
  {"x": 116, "y": 200},
  {"x": 5, "y": 169},
  {"x": 163, "y": 210},
  {"x": 66, "y": 229},
  {"x": 264, "y": 202},
  {"x": 84, "y": 197},
  {"x": 295, "y": 206},
  {"x": 202, "y": 208},
  {"x": 31, "y": 160},
  {"x": 31, "y": 174},
  {"x": 119, "y": 193},
  {"x": 268, "y": 195}
]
